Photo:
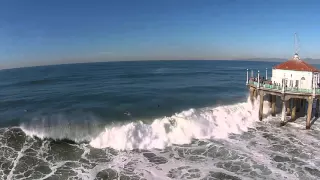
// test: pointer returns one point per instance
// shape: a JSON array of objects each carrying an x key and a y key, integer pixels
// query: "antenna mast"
[{"x": 296, "y": 47}]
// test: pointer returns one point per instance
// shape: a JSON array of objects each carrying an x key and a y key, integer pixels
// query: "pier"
[{"x": 295, "y": 83}]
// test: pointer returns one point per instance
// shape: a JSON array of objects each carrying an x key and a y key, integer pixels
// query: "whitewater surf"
[
  {"x": 223, "y": 142},
  {"x": 180, "y": 128}
]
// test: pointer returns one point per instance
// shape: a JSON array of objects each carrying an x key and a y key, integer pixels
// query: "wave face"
[
  {"x": 181, "y": 128},
  {"x": 75, "y": 127}
]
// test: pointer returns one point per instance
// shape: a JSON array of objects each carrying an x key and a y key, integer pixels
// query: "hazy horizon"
[
  {"x": 56, "y": 63},
  {"x": 35, "y": 32}
]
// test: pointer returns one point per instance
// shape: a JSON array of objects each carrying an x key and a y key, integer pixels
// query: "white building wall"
[{"x": 279, "y": 74}]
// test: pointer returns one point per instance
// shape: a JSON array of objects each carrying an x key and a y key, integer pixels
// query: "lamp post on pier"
[
  {"x": 247, "y": 77},
  {"x": 266, "y": 73},
  {"x": 258, "y": 79}
]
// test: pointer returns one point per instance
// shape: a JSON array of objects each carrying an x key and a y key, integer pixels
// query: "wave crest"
[
  {"x": 75, "y": 127},
  {"x": 181, "y": 128}
]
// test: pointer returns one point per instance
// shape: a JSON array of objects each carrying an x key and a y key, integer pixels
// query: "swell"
[
  {"x": 180, "y": 128},
  {"x": 35, "y": 82},
  {"x": 43, "y": 80},
  {"x": 157, "y": 74}
]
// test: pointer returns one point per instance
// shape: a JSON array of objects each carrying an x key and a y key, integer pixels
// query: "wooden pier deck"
[{"x": 293, "y": 100}]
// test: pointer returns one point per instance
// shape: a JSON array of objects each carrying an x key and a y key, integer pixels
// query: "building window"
[{"x": 302, "y": 82}]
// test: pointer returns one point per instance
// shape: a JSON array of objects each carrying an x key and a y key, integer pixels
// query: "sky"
[{"x": 37, "y": 32}]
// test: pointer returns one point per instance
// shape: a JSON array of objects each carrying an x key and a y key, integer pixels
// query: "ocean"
[{"x": 147, "y": 120}]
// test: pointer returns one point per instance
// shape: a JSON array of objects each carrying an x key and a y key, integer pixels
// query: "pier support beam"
[
  {"x": 288, "y": 102},
  {"x": 294, "y": 109},
  {"x": 303, "y": 107},
  {"x": 270, "y": 100},
  {"x": 255, "y": 93},
  {"x": 308, "y": 123},
  {"x": 317, "y": 108},
  {"x": 283, "y": 114},
  {"x": 298, "y": 107},
  {"x": 261, "y": 105},
  {"x": 273, "y": 105},
  {"x": 251, "y": 96}
]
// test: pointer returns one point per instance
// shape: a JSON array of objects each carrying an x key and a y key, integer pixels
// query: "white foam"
[
  {"x": 62, "y": 127},
  {"x": 256, "y": 149},
  {"x": 181, "y": 128}
]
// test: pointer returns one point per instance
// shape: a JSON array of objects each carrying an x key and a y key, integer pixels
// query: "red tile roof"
[{"x": 296, "y": 65}]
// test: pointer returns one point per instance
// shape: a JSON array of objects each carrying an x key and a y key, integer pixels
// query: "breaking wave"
[
  {"x": 181, "y": 128},
  {"x": 76, "y": 127}
]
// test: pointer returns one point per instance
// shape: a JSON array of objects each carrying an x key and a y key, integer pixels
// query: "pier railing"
[{"x": 287, "y": 89}]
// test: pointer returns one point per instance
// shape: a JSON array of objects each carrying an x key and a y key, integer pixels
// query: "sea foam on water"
[
  {"x": 181, "y": 128},
  {"x": 225, "y": 142}
]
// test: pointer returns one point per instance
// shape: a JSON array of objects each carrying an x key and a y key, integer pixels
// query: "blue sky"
[{"x": 36, "y": 32}]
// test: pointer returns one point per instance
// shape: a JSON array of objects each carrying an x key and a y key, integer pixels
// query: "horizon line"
[{"x": 71, "y": 63}]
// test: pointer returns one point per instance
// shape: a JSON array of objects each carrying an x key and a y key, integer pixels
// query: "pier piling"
[
  {"x": 255, "y": 93},
  {"x": 261, "y": 105},
  {"x": 270, "y": 100},
  {"x": 308, "y": 123},
  {"x": 294, "y": 109},
  {"x": 251, "y": 95},
  {"x": 283, "y": 114},
  {"x": 288, "y": 107},
  {"x": 298, "y": 106},
  {"x": 303, "y": 107},
  {"x": 317, "y": 108},
  {"x": 273, "y": 105}
]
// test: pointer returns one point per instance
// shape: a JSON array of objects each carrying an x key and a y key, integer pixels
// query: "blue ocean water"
[
  {"x": 146, "y": 89},
  {"x": 145, "y": 120}
]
